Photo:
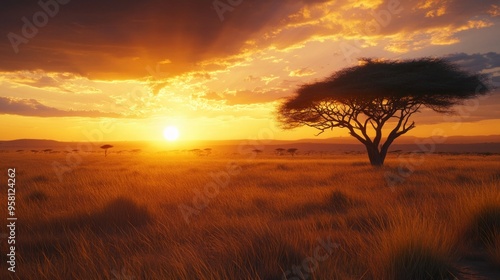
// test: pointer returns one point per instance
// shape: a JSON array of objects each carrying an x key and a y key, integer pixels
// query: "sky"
[{"x": 124, "y": 70}]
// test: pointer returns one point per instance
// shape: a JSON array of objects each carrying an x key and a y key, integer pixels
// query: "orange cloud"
[
  {"x": 31, "y": 107},
  {"x": 124, "y": 40}
]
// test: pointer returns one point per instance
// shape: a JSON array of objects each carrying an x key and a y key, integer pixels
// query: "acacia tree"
[
  {"x": 366, "y": 98},
  {"x": 257, "y": 151},
  {"x": 105, "y": 148},
  {"x": 292, "y": 151}
]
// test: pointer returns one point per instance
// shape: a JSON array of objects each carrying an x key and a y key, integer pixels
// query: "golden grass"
[
  {"x": 483, "y": 219},
  {"x": 118, "y": 217},
  {"x": 415, "y": 248},
  {"x": 481, "y": 223},
  {"x": 493, "y": 249}
]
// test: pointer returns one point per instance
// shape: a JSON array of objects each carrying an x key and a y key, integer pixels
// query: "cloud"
[
  {"x": 401, "y": 26},
  {"x": 53, "y": 81},
  {"x": 123, "y": 39},
  {"x": 119, "y": 39},
  {"x": 476, "y": 62},
  {"x": 247, "y": 96},
  {"x": 31, "y": 107},
  {"x": 303, "y": 72},
  {"x": 486, "y": 63}
]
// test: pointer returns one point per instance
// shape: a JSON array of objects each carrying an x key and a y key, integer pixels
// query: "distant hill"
[
  {"x": 351, "y": 140},
  {"x": 29, "y": 143},
  {"x": 454, "y": 144}
]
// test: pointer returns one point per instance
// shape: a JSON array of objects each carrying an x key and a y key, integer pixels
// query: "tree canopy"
[
  {"x": 106, "y": 147},
  {"x": 366, "y": 97}
]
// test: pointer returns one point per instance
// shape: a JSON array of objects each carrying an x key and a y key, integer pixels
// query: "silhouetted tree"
[
  {"x": 292, "y": 151},
  {"x": 365, "y": 98},
  {"x": 208, "y": 151},
  {"x": 280, "y": 151},
  {"x": 106, "y": 147},
  {"x": 196, "y": 152},
  {"x": 310, "y": 152},
  {"x": 257, "y": 151}
]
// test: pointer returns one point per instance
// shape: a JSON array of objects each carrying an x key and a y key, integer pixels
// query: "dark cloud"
[
  {"x": 419, "y": 15},
  {"x": 476, "y": 62},
  {"x": 487, "y": 63},
  {"x": 121, "y": 38},
  {"x": 31, "y": 107},
  {"x": 55, "y": 82}
]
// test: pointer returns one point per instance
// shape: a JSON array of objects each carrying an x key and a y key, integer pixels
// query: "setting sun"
[{"x": 171, "y": 133}]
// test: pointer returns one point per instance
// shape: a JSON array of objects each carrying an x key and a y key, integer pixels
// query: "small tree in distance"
[
  {"x": 196, "y": 152},
  {"x": 257, "y": 151},
  {"x": 366, "y": 98},
  {"x": 106, "y": 147},
  {"x": 292, "y": 151},
  {"x": 280, "y": 151}
]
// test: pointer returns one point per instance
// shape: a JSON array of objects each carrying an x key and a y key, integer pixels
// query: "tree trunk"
[{"x": 376, "y": 157}]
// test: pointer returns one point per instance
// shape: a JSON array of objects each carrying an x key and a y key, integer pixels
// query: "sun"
[{"x": 171, "y": 133}]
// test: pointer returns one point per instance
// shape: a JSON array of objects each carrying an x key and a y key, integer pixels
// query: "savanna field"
[{"x": 181, "y": 216}]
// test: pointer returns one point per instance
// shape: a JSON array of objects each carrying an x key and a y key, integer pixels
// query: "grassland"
[{"x": 160, "y": 216}]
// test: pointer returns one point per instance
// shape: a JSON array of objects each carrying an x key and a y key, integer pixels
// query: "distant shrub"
[
  {"x": 463, "y": 179},
  {"x": 281, "y": 166},
  {"x": 260, "y": 203},
  {"x": 39, "y": 179},
  {"x": 339, "y": 201},
  {"x": 119, "y": 215},
  {"x": 122, "y": 213},
  {"x": 36, "y": 196},
  {"x": 408, "y": 194},
  {"x": 368, "y": 221}
]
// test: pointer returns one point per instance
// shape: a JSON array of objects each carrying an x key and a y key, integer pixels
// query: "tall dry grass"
[{"x": 118, "y": 218}]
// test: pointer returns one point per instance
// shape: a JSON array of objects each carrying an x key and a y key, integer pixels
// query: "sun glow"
[{"x": 171, "y": 133}]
